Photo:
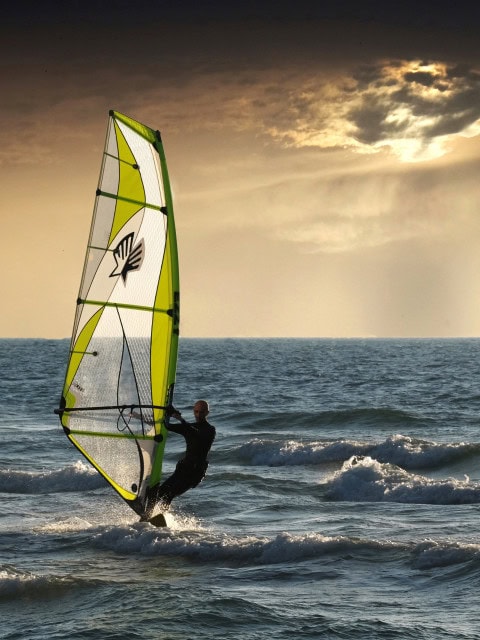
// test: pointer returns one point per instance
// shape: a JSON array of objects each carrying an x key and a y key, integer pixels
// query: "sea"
[{"x": 342, "y": 500}]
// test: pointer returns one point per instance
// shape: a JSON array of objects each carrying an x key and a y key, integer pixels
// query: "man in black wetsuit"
[{"x": 191, "y": 469}]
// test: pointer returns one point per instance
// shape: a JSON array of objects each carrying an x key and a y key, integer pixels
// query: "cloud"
[
  {"x": 306, "y": 83},
  {"x": 414, "y": 108}
]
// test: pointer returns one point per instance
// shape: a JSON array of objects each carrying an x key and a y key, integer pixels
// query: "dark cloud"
[
  {"x": 422, "y": 77},
  {"x": 459, "y": 118},
  {"x": 429, "y": 100},
  {"x": 369, "y": 120},
  {"x": 283, "y": 69}
]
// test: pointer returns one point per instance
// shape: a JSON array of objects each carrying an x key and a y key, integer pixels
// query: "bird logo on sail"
[{"x": 128, "y": 257}]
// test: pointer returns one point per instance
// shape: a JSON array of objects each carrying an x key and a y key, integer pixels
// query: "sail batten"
[
  {"x": 94, "y": 434},
  {"x": 114, "y": 196},
  {"x": 122, "y": 407},
  {"x": 118, "y": 305},
  {"x": 127, "y": 317}
]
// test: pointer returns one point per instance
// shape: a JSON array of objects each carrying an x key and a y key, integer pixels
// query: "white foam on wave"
[
  {"x": 404, "y": 451},
  {"x": 74, "y": 477},
  {"x": 184, "y": 539},
  {"x": 292, "y": 452},
  {"x": 413, "y": 453},
  {"x": 368, "y": 480},
  {"x": 16, "y": 584},
  {"x": 115, "y": 515},
  {"x": 430, "y": 554},
  {"x": 211, "y": 546},
  {"x": 72, "y": 524}
]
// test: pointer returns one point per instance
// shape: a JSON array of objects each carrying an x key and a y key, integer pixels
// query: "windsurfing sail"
[{"x": 123, "y": 353}]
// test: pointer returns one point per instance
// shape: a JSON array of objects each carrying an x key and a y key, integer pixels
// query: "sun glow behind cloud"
[
  {"x": 413, "y": 108},
  {"x": 402, "y": 117}
]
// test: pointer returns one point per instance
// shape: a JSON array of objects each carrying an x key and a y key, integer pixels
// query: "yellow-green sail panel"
[{"x": 123, "y": 353}]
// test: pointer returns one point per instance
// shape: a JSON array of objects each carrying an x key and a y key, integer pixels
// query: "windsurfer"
[{"x": 191, "y": 469}]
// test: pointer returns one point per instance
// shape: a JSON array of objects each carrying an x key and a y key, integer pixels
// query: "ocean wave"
[
  {"x": 259, "y": 419},
  {"x": 207, "y": 546},
  {"x": 431, "y": 554},
  {"x": 413, "y": 453},
  {"x": 74, "y": 477},
  {"x": 273, "y": 453},
  {"x": 370, "y": 416},
  {"x": 404, "y": 451},
  {"x": 368, "y": 480},
  {"x": 17, "y": 585}
]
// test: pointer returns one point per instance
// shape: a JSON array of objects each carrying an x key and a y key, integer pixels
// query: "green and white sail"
[{"x": 123, "y": 353}]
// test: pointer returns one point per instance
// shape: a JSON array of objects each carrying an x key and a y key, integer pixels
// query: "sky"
[{"x": 324, "y": 159}]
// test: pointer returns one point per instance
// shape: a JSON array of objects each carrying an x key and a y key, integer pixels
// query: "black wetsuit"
[{"x": 191, "y": 469}]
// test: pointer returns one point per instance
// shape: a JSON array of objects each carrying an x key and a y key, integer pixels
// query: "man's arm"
[{"x": 181, "y": 428}]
